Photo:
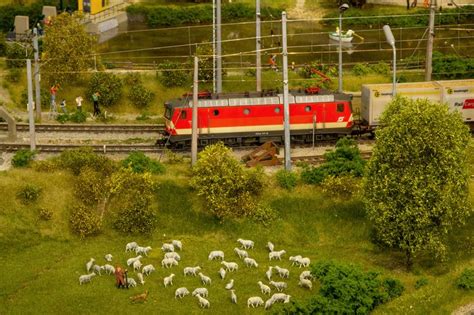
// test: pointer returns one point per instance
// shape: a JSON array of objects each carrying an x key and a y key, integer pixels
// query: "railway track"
[
  {"x": 89, "y": 128},
  {"x": 106, "y": 148},
  {"x": 319, "y": 159}
]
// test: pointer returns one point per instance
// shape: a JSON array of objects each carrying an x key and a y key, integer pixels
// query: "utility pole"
[
  {"x": 258, "y": 35},
  {"x": 30, "y": 105},
  {"x": 286, "y": 103},
  {"x": 342, "y": 9},
  {"x": 219, "y": 47},
  {"x": 214, "y": 47},
  {"x": 37, "y": 75},
  {"x": 429, "y": 46},
  {"x": 194, "y": 139}
]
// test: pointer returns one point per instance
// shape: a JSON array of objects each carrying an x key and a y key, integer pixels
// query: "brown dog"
[{"x": 140, "y": 297}]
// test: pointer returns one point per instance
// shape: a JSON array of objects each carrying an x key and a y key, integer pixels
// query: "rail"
[
  {"x": 106, "y": 148},
  {"x": 91, "y": 128}
]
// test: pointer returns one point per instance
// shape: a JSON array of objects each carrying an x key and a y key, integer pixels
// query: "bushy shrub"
[
  {"x": 29, "y": 194},
  {"x": 173, "y": 74},
  {"x": 45, "y": 214},
  {"x": 381, "y": 68},
  {"x": 286, "y": 179},
  {"x": 62, "y": 118},
  {"x": 451, "y": 66},
  {"x": 75, "y": 160},
  {"x": 78, "y": 117},
  {"x": 139, "y": 218},
  {"x": 90, "y": 186},
  {"x": 360, "y": 69},
  {"x": 84, "y": 221},
  {"x": 263, "y": 214},
  {"x": 140, "y": 95},
  {"x": 46, "y": 166},
  {"x": 140, "y": 163},
  {"x": 421, "y": 283},
  {"x": 345, "y": 160},
  {"x": 109, "y": 87},
  {"x": 466, "y": 279},
  {"x": 132, "y": 78},
  {"x": 16, "y": 55},
  {"x": 22, "y": 158},
  {"x": 173, "y": 157},
  {"x": 342, "y": 186}
]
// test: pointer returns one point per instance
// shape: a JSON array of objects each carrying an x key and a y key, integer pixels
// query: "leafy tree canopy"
[{"x": 416, "y": 188}]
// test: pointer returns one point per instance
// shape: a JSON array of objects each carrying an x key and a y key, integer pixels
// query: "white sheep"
[
  {"x": 181, "y": 292},
  {"x": 167, "y": 247},
  {"x": 270, "y": 246},
  {"x": 201, "y": 291},
  {"x": 241, "y": 253},
  {"x": 233, "y": 296},
  {"x": 148, "y": 269},
  {"x": 89, "y": 264},
  {"x": 250, "y": 262},
  {"x": 168, "y": 280},
  {"x": 222, "y": 273},
  {"x": 130, "y": 261},
  {"x": 305, "y": 283},
  {"x": 86, "y": 278},
  {"x": 282, "y": 272},
  {"x": 269, "y": 273},
  {"x": 230, "y": 266},
  {"x": 304, "y": 262},
  {"x": 108, "y": 257},
  {"x": 306, "y": 275},
  {"x": 203, "y": 302},
  {"x": 169, "y": 262},
  {"x": 281, "y": 297},
  {"x": 215, "y": 254},
  {"x": 276, "y": 255},
  {"x": 191, "y": 271},
  {"x": 177, "y": 244},
  {"x": 174, "y": 255},
  {"x": 295, "y": 259},
  {"x": 131, "y": 282},
  {"x": 230, "y": 284},
  {"x": 142, "y": 250},
  {"x": 269, "y": 303},
  {"x": 247, "y": 244},
  {"x": 131, "y": 246},
  {"x": 205, "y": 279},
  {"x": 97, "y": 269},
  {"x": 264, "y": 288},
  {"x": 254, "y": 301},
  {"x": 140, "y": 278},
  {"x": 280, "y": 286},
  {"x": 109, "y": 269},
  {"x": 137, "y": 264}
]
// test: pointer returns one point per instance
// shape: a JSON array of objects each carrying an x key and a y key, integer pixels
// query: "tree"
[
  {"x": 416, "y": 185},
  {"x": 67, "y": 49},
  {"x": 205, "y": 53}
]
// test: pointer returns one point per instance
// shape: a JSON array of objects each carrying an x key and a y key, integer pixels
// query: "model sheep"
[
  {"x": 250, "y": 262},
  {"x": 86, "y": 278},
  {"x": 137, "y": 264},
  {"x": 97, "y": 269},
  {"x": 131, "y": 246},
  {"x": 270, "y": 246},
  {"x": 215, "y": 254},
  {"x": 230, "y": 266},
  {"x": 168, "y": 280},
  {"x": 201, "y": 291},
  {"x": 188, "y": 271},
  {"x": 254, "y": 301},
  {"x": 130, "y": 261},
  {"x": 108, "y": 257},
  {"x": 89, "y": 264},
  {"x": 247, "y": 244},
  {"x": 280, "y": 286},
  {"x": 109, "y": 269},
  {"x": 222, "y": 273},
  {"x": 306, "y": 275},
  {"x": 233, "y": 296},
  {"x": 268, "y": 273},
  {"x": 282, "y": 272},
  {"x": 148, "y": 269},
  {"x": 167, "y": 247},
  {"x": 230, "y": 284},
  {"x": 174, "y": 255},
  {"x": 169, "y": 262},
  {"x": 140, "y": 278},
  {"x": 304, "y": 262},
  {"x": 264, "y": 288},
  {"x": 203, "y": 302},
  {"x": 204, "y": 279},
  {"x": 181, "y": 292},
  {"x": 177, "y": 244},
  {"x": 142, "y": 250},
  {"x": 281, "y": 297},
  {"x": 241, "y": 253},
  {"x": 295, "y": 259},
  {"x": 276, "y": 255},
  {"x": 269, "y": 303},
  {"x": 131, "y": 282},
  {"x": 305, "y": 283}
]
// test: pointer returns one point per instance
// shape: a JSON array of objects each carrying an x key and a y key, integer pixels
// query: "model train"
[{"x": 254, "y": 118}]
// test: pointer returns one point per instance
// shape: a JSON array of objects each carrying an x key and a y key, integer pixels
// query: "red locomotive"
[{"x": 253, "y": 118}]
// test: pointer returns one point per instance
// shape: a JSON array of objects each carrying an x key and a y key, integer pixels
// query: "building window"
[
  {"x": 183, "y": 114},
  {"x": 216, "y": 112},
  {"x": 307, "y": 109},
  {"x": 277, "y": 110},
  {"x": 246, "y": 111},
  {"x": 340, "y": 108}
]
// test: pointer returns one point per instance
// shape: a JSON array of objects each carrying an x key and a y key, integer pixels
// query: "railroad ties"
[{"x": 89, "y": 128}]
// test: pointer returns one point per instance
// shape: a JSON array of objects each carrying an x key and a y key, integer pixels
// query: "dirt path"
[
  {"x": 467, "y": 309},
  {"x": 301, "y": 12}
]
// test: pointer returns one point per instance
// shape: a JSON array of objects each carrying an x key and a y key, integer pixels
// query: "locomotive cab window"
[
  {"x": 183, "y": 115},
  {"x": 246, "y": 111},
  {"x": 216, "y": 112},
  {"x": 168, "y": 113},
  {"x": 340, "y": 108},
  {"x": 307, "y": 109}
]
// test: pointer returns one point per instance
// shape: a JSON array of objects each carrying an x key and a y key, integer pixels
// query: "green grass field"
[{"x": 42, "y": 260}]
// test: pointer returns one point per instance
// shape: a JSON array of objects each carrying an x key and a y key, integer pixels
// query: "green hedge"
[{"x": 176, "y": 15}]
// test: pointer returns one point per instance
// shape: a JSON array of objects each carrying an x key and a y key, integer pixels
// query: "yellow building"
[{"x": 93, "y": 6}]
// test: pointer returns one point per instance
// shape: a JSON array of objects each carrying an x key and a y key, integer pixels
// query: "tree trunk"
[
  {"x": 408, "y": 4},
  {"x": 408, "y": 260}
]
